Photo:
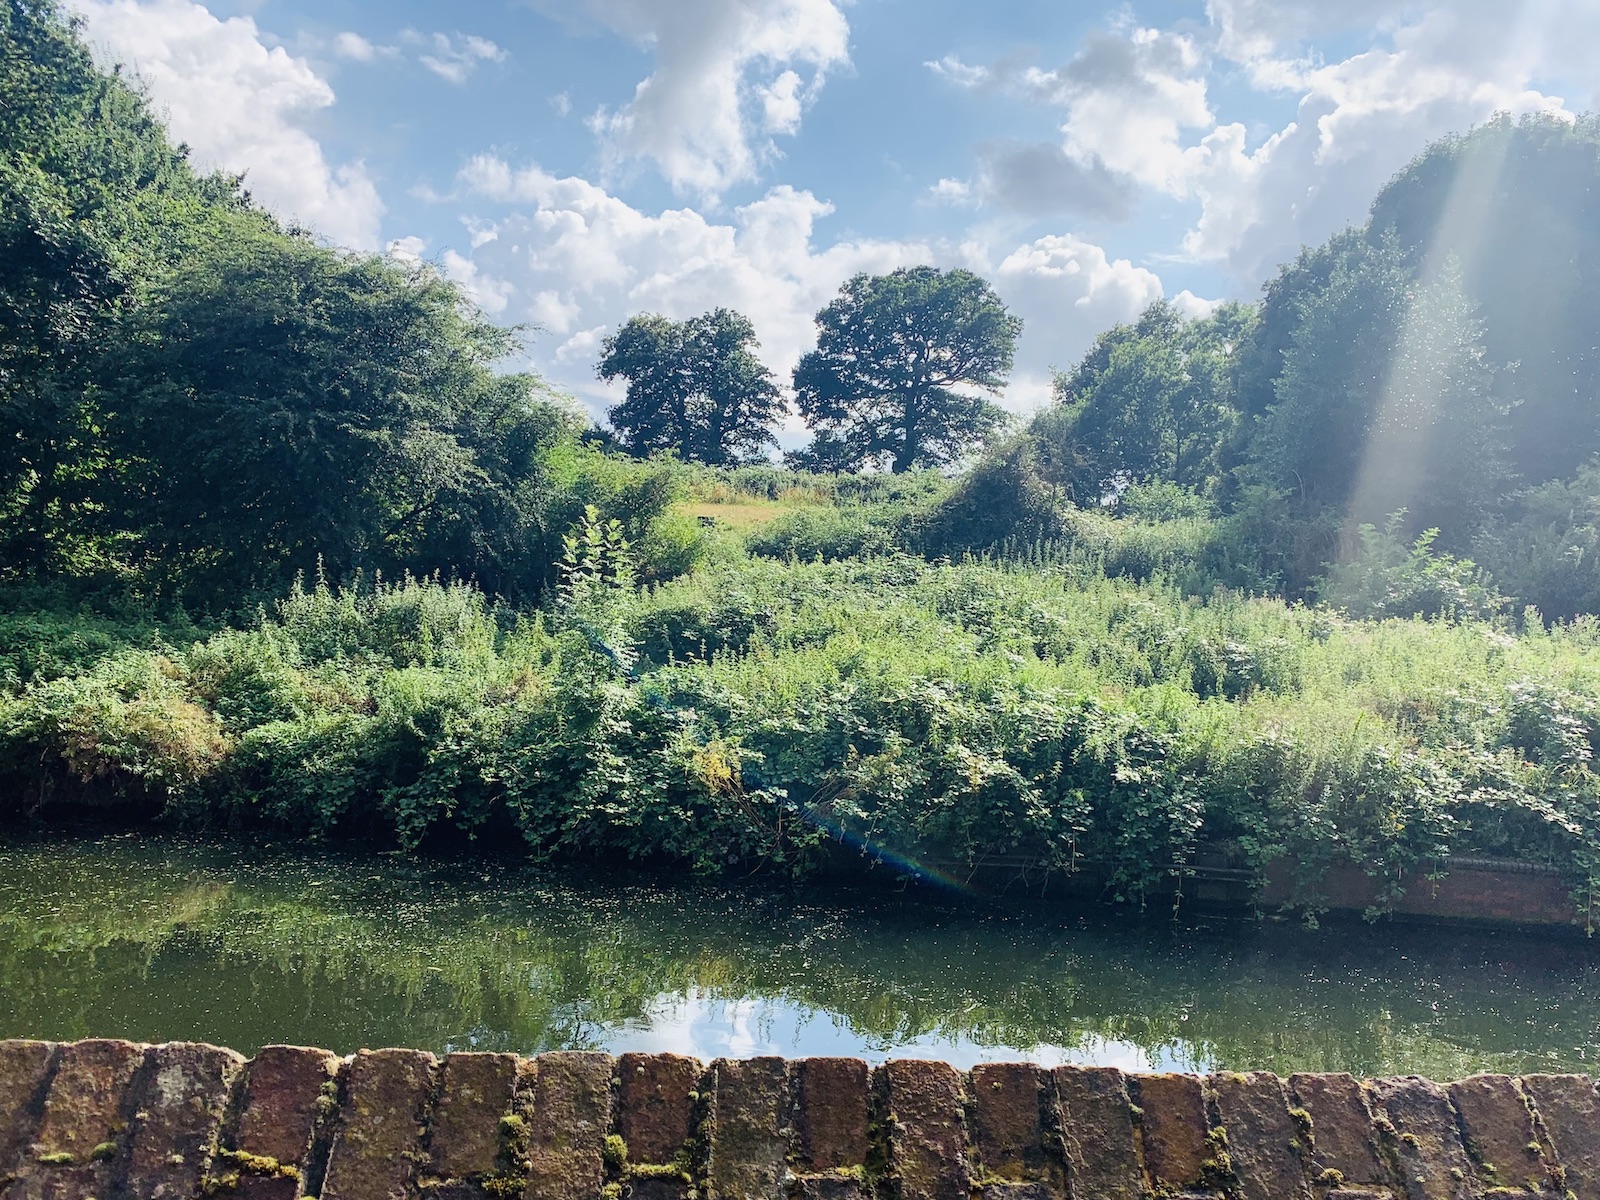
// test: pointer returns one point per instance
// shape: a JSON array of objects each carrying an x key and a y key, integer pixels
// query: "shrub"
[
  {"x": 830, "y": 534},
  {"x": 1386, "y": 578}
]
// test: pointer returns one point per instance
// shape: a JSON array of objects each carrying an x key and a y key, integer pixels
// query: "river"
[{"x": 173, "y": 938}]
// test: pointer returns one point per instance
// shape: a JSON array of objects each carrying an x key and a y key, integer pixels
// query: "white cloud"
[
  {"x": 239, "y": 105},
  {"x": 960, "y": 73},
  {"x": 1360, "y": 120},
  {"x": 454, "y": 57},
  {"x": 728, "y": 76},
  {"x": 952, "y": 191},
  {"x": 1129, "y": 99},
  {"x": 1136, "y": 106},
  {"x": 407, "y": 249},
  {"x": 357, "y": 48},
  {"x": 783, "y": 104},
  {"x": 488, "y": 293},
  {"x": 579, "y": 261},
  {"x": 1256, "y": 31}
]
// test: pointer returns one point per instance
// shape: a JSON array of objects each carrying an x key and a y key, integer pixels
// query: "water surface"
[{"x": 161, "y": 939}]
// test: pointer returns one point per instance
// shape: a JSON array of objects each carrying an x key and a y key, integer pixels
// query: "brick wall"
[{"x": 109, "y": 1119}]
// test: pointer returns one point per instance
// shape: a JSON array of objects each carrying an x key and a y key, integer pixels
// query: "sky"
[{"x": 574, "y": 162}]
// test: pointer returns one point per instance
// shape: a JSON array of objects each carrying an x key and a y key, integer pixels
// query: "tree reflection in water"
[{"x": 169, "y": 938}]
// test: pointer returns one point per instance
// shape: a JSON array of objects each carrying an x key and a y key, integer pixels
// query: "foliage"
[
  {"x": 94, "y": 203},
  {"x": 1387, "y": 578},
  {"x": 830, "y": 534},
  {"x": 898, "y": 357},
  {"x": 767, "y": 714},
  {"x": 1068, "y": 656},
  {"x": 1514, "y": 204},
  {"x": 1154, "y": 400},
  {"x": 266, "y": 361},
  {"x": 1545, "y": 546},
  {"x": 695, "y": 387},
  {"x": 1386, "y": 402}
]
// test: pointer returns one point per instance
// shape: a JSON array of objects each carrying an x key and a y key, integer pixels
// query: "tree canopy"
[
  {"x": 276, "y": 403},
  {"x": 1155, "y": 400},
  {"x": 901, "y": 365},
  {"x": 695, "y": 387}
]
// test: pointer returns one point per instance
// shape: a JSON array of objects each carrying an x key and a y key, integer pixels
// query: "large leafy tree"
[
  {"x": 901, "y": 367},
  {"x": 277, "y": 404},
  {"x": 695, "y": 387},
  {"x": 1386, "y": 401},
  {"x": 1154, "y": 400},
  {"x": 1516, "y": 203},
  {"x": 94, "y": 202}
]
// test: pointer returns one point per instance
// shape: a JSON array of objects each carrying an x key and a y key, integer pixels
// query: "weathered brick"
[
  {"x": 927, "y": 1133},
  {"x": 376, "y": 1148},
  {"x": 83, "y": 1124},
  {"x": 475, "y": 1092},
  {"x": 1264, "y": 1140},
  {"x": 1008, "y": 1128},
  {"x": 568, "y": 1116},
  {"x": 282, "y": 1091},
  {"x": 1174, "y": 1126},
  {"x": 1433, "y": 1163},
  {"x": 24, "y": 1071},
  {"x": 1570, "y": 1113},
  {"x": 830, "y": 1114},
  {"x": 827, "y": 1186},
  {"x": 1499, "y": 1130},
  {"x": 1341, "y": 1127},
  {"x": 1097, "y": 1133},
  {"x": 654, "y": 1104},
  {"x": 265, "y": 1154},
  {"x": 748, "y": 1142},
  {"x": 182, "y": 1092}
]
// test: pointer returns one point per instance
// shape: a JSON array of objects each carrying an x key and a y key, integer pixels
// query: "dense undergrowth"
[{"x": 760, "y": 715}]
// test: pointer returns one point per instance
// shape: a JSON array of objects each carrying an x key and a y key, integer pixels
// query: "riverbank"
[{"x": 755, "y": 717}]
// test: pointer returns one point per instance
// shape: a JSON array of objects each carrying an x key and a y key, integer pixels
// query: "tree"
[
  {"x": 1154, "y": 400},
  {"x": 1516, "y": 203},
  {"x": 277, "y": 403},
  {"x": 1386, "y": 401},
  {"x": 94, "y": 203},
  {"x": 900, "y": 363},
  {"x": 695, "y": 387}
]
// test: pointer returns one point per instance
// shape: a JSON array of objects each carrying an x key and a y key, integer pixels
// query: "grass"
[{"x": 741, "y": 515}]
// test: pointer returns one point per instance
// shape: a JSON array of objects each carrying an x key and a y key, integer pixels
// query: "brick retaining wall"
[{"x": 109, "y": 1119}]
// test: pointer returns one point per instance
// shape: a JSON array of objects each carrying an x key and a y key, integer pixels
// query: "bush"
[
  {"x": 829, "y": 534},
  {"x": 769, "y": 714},
  {"x": 1387, "y": 578}
]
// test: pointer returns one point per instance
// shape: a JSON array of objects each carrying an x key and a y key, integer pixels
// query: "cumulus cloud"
[
  {"x": 240, "y": 106},
  {"x": 579, "y": 261},
  {"x": 1136, "y": 108},
  {"x": 454, "y": 57},
  {"x": 1359, "y": 121},
  {"x": 1256, "y": 31},
  {"x": 353, "y": 46},
  {"x": 729, "y": 75},
  {"x": 1043, "y": 179}
]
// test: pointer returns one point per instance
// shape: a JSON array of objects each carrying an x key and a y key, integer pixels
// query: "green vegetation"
[
  {"x": 281, "y": 547},
  {"x": 899, "y": 363},
  {"x": 695, "y": 387}
]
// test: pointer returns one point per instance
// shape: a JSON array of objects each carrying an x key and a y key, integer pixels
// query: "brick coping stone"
[{"x": 105, "y": 1119}]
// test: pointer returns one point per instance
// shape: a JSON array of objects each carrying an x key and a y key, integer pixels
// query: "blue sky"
[{"x": 573, "y": 162}]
